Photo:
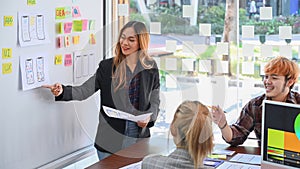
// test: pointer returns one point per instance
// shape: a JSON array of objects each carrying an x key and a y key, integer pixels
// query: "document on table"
[
  {"x": 229, "y": 165},
  {"x": 137, "y": 165},
  {"x": 246, "y": 158},
  {"x": 123, "y": 115}
]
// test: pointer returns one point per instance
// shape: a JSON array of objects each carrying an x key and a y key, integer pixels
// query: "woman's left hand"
[{"x": 143, "y": 123}]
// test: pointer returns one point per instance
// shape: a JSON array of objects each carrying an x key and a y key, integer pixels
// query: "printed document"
[{"x": 123, "y": 115}]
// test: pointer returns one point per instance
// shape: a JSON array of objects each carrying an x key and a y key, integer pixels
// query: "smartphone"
[
  {"x": 40, "y": 69},
  {"x": 40, "y": 27},
  {"x": 25, "y": 28},
  {"x": 29, "y": 71}
]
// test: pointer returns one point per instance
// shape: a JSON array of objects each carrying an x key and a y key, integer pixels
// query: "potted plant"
[{"x": 261, "y": 30}]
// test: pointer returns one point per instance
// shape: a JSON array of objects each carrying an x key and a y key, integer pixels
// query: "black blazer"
[{"x": 110, "y": 133}]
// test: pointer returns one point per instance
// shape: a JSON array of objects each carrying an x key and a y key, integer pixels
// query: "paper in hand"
[{"x": 123, "y": 115}]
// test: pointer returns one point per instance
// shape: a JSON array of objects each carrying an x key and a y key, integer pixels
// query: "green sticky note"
[{"x": 77, "y": 25}]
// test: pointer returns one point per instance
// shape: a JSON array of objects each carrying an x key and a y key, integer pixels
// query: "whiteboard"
[{"x": 35, "y": 130}]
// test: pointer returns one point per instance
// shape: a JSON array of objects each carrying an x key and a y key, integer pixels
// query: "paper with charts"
[{"x": 123, "y": 115}]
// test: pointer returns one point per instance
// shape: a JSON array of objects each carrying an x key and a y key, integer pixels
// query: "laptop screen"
[{"x": 280, "y": 135}]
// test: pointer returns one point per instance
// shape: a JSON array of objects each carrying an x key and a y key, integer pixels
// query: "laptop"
[{"x": 280, "y": 146}]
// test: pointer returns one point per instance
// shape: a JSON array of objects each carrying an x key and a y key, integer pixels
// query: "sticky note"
[
  {"x": 59, "y": 27},
  {"x": 204, "y": 29},
  {"x": 187, "y": 64},
  {"x": 6, "y": 53},
  {"x": 84, "y": 24},
  {"x": 171, "y": 82},
  {"x": 248, "y": 49},
  {"x": 92, "y": 39},
  {"x": 187, "y": 46},
  {"x": 286, "y": 51},
  {"x": 68, "y": 12},
  {"x": 265, "y": 13},
  {"x": 266, "y": 51},
  {"x": 205, "y": 66},
  {"x": 68, "y": 27},
  {"x": 171, "y": 64},
  {"x": 248, "y": 68},
  {"x": 222, "y": 48},
  {"x": 77, "y": 25},
  {"x": 155, "y": 28},
  {"x": 31, "y": 2},
  {"x": 171, "y": 45},
  {"x": 67, "y": 41},
  {"x": 222, "y": 67},
  {"x": 76, "y": 12},
  {"x": 60, "y": 41},
  {"x": 76, "y": 39},
  {"x": 92, "y": 24},
  {"x": 199, "y": 49},
  {"x": 123, "y": 9},
  {"x": 247, "y": 31},
  {"x": 285, "y": 32},
  {"x": 58, "y": 60},
  {"x": 68, "y": 60},
  {"x": 219, "y": 156},
  {"x": 7, "y": 68},
  {"x": 60, "y": 13},
  {"x": 187, "y": 11},
  {"x": 8, "y": 20}
]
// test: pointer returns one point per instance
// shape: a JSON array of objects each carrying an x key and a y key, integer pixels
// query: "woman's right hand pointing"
[{"x": 56, "y": 89}]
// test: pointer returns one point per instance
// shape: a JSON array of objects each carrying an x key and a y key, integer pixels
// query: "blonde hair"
[
  {"x": 119, "y": 66},
  {"x": 284, "y": 67},
  {"x": 193, "y": 122}
]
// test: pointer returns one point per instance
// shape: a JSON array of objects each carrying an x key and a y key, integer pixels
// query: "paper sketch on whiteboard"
[
  {"x": 34, "y": 71},
  {"x": 32, "y": 29}
]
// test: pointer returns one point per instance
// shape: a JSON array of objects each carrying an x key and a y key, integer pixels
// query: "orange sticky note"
[
  {"x": 92, "y": 39},
  {"x": 76, "y": 39}
]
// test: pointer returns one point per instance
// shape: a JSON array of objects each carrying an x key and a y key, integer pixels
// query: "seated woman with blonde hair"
[{"x": 191, "y": 129}]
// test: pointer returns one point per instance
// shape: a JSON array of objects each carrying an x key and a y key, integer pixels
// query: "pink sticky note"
[
  {"x": 76, "y": 12},
  {"x": 84, "y": 24},
  {"x": 68, "y": 60},
  {"x": 68, "y": 27}
]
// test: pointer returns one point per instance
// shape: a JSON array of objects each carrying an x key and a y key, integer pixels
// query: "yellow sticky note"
[
  {"x": 60, "y": 27},
  {"x": 76, "y": 39},
  {"x": 6, "y": 53},
  {"x": 58, "y": 60},
  {"x": 31, "y": 2},
  {"x": 7, "y": 68},
  {"x": 219, "y": 156},
  {"x": 8, "y": 20}
]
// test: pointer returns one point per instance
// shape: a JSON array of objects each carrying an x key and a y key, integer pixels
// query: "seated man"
[{"x": 280, "y": 76}]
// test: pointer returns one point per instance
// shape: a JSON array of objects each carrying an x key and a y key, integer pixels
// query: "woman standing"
[{"x": 128, "y": 82}]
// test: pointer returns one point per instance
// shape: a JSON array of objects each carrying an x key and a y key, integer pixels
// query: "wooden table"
[{"x": 154, "y": 145}]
